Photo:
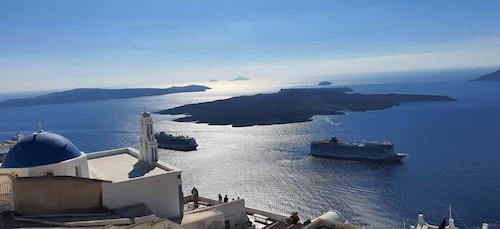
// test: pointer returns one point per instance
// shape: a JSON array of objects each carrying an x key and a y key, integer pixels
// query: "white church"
[
  {"x": 45, "y": 180},
  {"x": 49, "y": 171}
]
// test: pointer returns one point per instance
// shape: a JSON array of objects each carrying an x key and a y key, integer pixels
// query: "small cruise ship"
[
  {"x": 366, "y": 151},
  {"x": 181, "y": 142}
]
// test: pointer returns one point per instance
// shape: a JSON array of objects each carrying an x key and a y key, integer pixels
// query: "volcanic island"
[{"x": 291, "y": 106}]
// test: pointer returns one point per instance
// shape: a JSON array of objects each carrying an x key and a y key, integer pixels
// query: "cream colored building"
[{"x": 49, "y": 171}]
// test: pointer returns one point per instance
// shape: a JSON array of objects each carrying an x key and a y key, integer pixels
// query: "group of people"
[
  {"x": 196, "y": 197},
  {"x": 226, "y": 199}
]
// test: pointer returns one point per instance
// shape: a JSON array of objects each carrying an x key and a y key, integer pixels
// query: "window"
[{"x": 77, "y": 171}]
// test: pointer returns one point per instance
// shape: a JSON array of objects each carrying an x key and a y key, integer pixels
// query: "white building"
[{"x": 125, "y": 176}]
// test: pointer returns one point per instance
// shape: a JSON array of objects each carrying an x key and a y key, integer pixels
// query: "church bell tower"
[{"x": 148, "y": 147}]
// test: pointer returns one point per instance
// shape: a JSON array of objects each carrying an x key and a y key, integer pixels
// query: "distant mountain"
[
  {"x": 324, "y": 83},
  {"x": 95, "y": 94},
  {"x": 212, "y": 80},
  {"x": 239, "y": 78},
  {"x": 495, "y": 76}
]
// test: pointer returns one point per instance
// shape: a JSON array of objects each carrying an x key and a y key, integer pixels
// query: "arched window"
[
  {"x": 155, "y": 154},
  {"x": 77, "y": 171}
]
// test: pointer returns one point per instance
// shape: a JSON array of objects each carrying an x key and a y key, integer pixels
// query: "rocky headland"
[
  {"x": 324, "y": 83},
  {"x": 95, "y": 94},
  {"x": 291, "y": 106},
  {"x": 494, "y": 76},
  {"x": 239, "y": 78}
]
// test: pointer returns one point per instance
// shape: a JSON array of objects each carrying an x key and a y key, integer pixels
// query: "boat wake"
[{"x": 328, "y": 120}]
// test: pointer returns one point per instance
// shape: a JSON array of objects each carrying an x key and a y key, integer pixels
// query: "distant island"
[
  {"x": 495, "y": 76},
  {"x": 290, "y": 106},
  {"x": 213, "y": 80},
  {"x": 239, "y": 78},
  {"x": 95, "y": 94},
  {"x": 324, "y": 83}
]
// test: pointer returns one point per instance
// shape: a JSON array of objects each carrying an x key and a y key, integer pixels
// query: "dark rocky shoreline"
[{"x": 290, "y": 106}]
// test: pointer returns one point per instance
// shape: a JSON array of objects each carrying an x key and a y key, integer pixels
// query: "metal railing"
[{"x": 6, "y": 193}]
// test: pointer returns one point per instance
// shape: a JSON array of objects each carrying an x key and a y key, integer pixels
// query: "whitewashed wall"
[
  {"x": 159, "y": 193},
  {"x": 65, "y": 168}
]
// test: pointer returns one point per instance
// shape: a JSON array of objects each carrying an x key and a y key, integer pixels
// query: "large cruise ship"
[
  {"x": 366, "y": 151},
  {"x": 182, "y": 143}
]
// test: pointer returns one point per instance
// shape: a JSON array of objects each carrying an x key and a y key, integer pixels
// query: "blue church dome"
[{"x": 42, "y": 148}]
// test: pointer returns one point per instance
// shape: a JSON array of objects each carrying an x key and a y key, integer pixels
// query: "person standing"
[
  {"x": 220, "y": 198},
  {"x": 196, "y": 196},
  {"x": 226, "y": 199}
]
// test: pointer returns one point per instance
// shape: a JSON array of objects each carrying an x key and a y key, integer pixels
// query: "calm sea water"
[{"x": 453, "y": 146}]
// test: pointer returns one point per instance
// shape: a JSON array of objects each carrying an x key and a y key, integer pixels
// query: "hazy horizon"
[
  {"x": 54, "y": 45},
  {"x": 253, "y": 86}
]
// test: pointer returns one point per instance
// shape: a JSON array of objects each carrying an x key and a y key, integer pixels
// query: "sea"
[{"x": 453, "y": 146}]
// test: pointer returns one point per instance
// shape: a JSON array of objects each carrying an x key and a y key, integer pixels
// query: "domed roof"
[
  {"x": 333, "y": 216},
  {"x": 42, "y": 148}
]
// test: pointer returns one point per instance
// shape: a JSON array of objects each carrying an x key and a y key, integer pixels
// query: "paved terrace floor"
[{"x": 121, "y": 167}]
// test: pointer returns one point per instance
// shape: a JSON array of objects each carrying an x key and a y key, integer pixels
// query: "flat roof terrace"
[{"x": 123, "y": 164}]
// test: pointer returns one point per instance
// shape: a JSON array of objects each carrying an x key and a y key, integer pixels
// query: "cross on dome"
[{"x": 40, "y": 130}]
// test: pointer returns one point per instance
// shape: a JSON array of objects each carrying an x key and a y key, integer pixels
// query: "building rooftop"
[
  {"x": 192, "y": 217},
  {"x": 125, "y": 163},
  {"x": 90, "y": 218},
  {"x": 41, "y": 148}
]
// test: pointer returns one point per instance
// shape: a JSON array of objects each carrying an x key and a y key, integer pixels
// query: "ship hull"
[
  {"x": 347, "y": 158},
  {"x": 180, "y": 143},
  {"x": 376, "y": 152}
]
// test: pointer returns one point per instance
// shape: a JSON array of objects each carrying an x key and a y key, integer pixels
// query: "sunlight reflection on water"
[{"x": 270, "y": 166}]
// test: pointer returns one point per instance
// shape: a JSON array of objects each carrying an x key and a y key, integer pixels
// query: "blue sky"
[{"x": 46, "y": 45}]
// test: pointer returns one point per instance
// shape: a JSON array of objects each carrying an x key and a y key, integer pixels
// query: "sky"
[{"x": 50, "y": 45}]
